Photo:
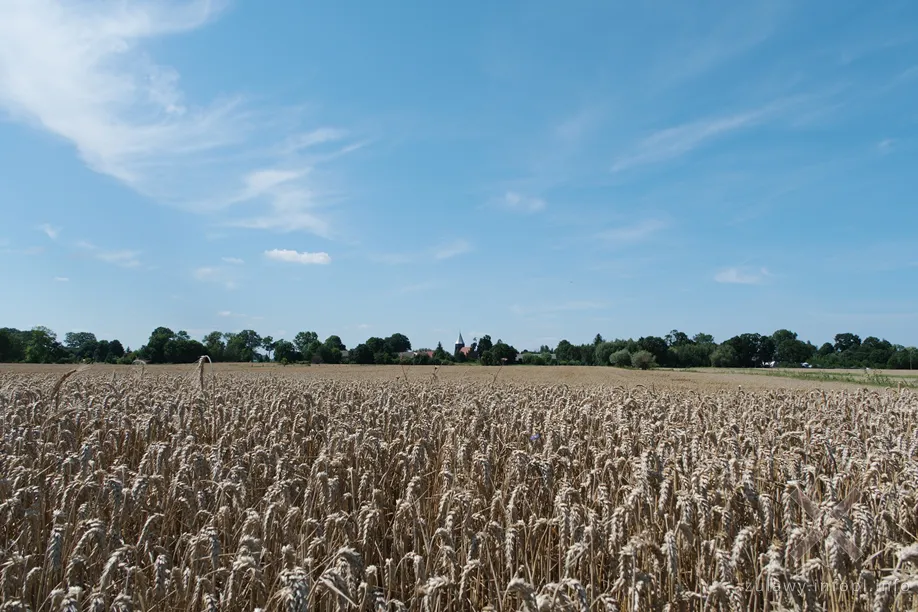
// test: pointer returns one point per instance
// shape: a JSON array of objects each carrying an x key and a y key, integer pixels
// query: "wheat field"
[{"x": 194, "y": 490}]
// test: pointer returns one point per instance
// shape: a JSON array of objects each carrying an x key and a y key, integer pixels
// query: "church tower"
[{"x": 460, "y": 344}]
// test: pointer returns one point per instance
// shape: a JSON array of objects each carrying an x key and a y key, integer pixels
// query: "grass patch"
[{"x": 856, "y": 377}]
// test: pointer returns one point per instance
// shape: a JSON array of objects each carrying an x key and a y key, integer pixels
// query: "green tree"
[
  {"x": 362, "y": 354},
  {"x": 42, "y": 346},
  {"x": 377, "y": 345},
  {"x": 182, "y": 349},
  {"x": 12, "y": 345},
  {"x": 267, "y": 343},
  {"x": 751, "y": 349},
  {"x": 643, "y": 360},
  {"x": 115, "y": 349},
  {"x": 847, "y": 341},
  {"x": 656, "y": 346},
  {"x": 565, "y": 352},
  {"x": 285, "y": 351},
  {"x": 620, "y": 359},
  {"x": 724, "y": 356},
  {"x": 875, "y": 353},
  {"x": 534, "y": 359},
  {"x": 242, "y": 346},
  {"x": 81, "y": 344},
  {"x": 155, "y": 349},
  {"x": 484, "y": 345},
  {"x": 503, "y": 353},
  {"x": 598, "y": 339},
  {"x": 331, "y": 349},
  {"x": 440, "y": 353},
  {"x": 693, "y": 355},
  {"x": 100, "y": 355},
  {"x": 703, "y": 339},
  {"x": 904, "y": 358},
  {"x": 677, "y": 338},
  {"x": 215, "y": 345},
  {"x": 791, "y": 350},
  {"x": 602, "y": 352},
  {"x": 398, "y": 343},
  {"x": 307, "y": 342}
]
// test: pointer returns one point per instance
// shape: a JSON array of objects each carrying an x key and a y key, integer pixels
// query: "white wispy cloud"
[
  {"x": 61, "y": 279},
  {"x": 885, "y": 145},
  {"x": 573, "y": 128},
  {"x": 229, "y": 314},
  {"x": 634, "y": 233},
  {"x": 50, "y": 231},
  {"x": 427, "y": 287},
  {"x": 291, "y": 256},
  {"x": 520, "y": 203},
  {"x": 219, "y": 275},
  {"x": 453, "y": 249},
  {"x": 393, "y": 259},
  {"x": 125, "y": 258},
  {"x": 236, "y": 261},
  {"x": 84, "y": 71},
  {"x": 34, "y": 250},
  {"x": 287, "y": 203},
  {"x": 306, "y": 140},
  {"x": 673, "y": 142},
  {"x": 76, "y": 70},
  {"x": 742, "y": 276}
]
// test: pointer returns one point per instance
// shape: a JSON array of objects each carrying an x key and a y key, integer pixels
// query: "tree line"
[{"x": 676, "y": 349}]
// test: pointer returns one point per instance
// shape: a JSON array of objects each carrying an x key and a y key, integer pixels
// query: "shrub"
[
  {"x": 643, "y": 360},
  {"x": 621, "y": 359}
]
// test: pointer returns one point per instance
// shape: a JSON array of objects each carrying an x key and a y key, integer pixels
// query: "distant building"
[{"x": 460, "y": 344}]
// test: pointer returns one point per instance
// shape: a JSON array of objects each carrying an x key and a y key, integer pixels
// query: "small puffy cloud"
[
  {"x": 742, "y": 276},
  {"x": 61, "y": 279},
  {"x": 520, "y": 203},
  {"x": 233, "y": 260},
  {"x": 224, "y": 313},
  {"x": 51, "y": 231},
  {"x": 453, "y": 249},
  {"x": 291, "y": 256}
]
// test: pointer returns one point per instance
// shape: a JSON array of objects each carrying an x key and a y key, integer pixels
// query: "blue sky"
[{"x": 531, "y": 170}]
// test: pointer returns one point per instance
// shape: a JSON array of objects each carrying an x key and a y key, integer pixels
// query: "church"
[{"x": 461, "y": 348}]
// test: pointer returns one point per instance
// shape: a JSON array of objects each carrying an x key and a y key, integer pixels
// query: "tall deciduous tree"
[
  {"x": 215, "y": 345},
  {"x": 81, "y": 344},
  {"x": 398, "y": 343}
]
